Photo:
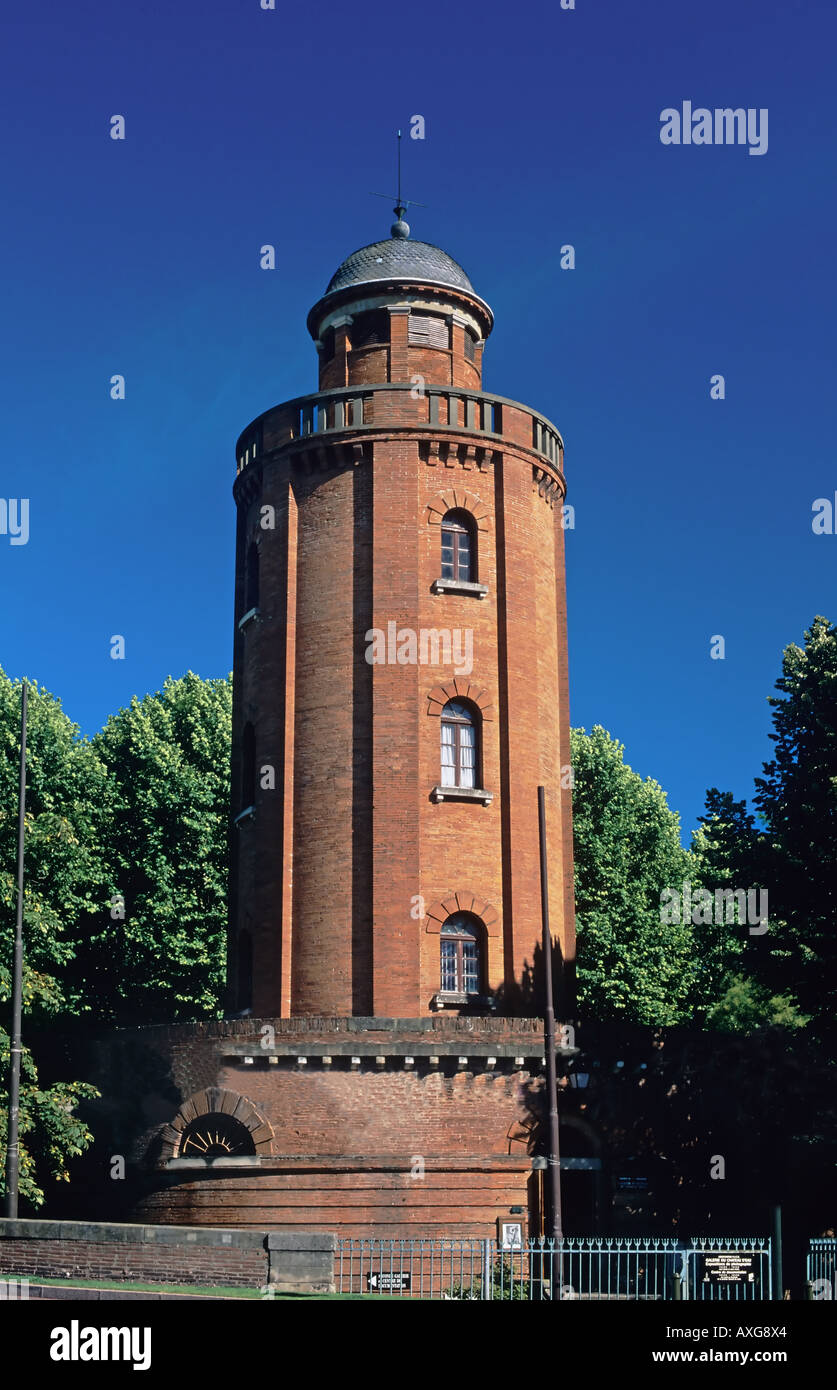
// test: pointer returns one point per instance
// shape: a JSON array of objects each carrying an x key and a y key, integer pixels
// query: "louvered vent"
[{"x": 428, "y": 332}]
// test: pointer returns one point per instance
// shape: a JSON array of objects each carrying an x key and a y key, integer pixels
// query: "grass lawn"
[{"x": 219, "y": 1291}]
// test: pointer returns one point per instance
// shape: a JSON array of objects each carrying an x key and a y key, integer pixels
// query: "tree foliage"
[
  {"x": 136, "y": 816},
  {"x": 797, "y": 798},
  {"x": 627, "y": 849},
  {"x": 63, "y": 888},
  {"x": 788, "y": 975},
  {"x": 731, "y": 991},
  {"x": 157, "y": 953}
]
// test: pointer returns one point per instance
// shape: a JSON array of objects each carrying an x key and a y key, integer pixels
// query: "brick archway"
[
  {"x": 460, "y": 688},
  {"x": 457, "y": 499},
  {"x": 463, "y": 900},
  {"x": 215, "y": 1101}
]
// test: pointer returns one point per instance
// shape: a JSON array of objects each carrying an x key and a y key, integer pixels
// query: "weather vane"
[{"x": 401, "y": 204}]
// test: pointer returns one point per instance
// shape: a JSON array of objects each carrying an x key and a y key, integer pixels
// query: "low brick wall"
[
  {"x": 292, "y": 1263},
  {"x": 361, "y": 1198}
]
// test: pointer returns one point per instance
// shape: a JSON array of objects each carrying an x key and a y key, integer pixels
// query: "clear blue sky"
[{"x": 245, "y": 126}]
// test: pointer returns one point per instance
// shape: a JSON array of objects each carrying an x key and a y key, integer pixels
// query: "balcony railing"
[{"x": 382, "y": 406}]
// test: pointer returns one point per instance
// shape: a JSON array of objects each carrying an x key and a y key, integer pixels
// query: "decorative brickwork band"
[
  {"x": 457, "y": 499},
  {"x": 546, "y": 484},
  {"x": 460, "y": 688},
  {"x": 451, "y": 454},
  {"x": 463, "y": 900},
  {"x": 215, "y": 1101}
]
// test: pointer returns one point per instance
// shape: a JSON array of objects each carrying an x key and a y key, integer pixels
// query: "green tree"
[
  {"x": 627, "y": 850},
  {"x": 733, "y": 854},
  {"x": 50, "y": 1131},
  {"x": 157, "y": 954},
  {"x": 797, "y": 797},
  {"x": 63, "y": 889}
]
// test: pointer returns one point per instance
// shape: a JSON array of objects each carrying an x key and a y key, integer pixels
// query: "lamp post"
[
  {"x": 553, "y": 1155},
  {"x": 13, "y": 1146}
]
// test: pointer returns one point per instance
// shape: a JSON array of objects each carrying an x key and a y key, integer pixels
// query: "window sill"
[
  {"x": 448, "y": 999},
  {"x": 248, "y": 813},
  {"x": 458, "y": 586},
  {"x": 462, "y": 794},
  {"x": 249, "y": 617}
]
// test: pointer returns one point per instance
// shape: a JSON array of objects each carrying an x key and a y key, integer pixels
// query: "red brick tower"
[
  {"x": 400, "y": 693},
  {"x": 400, "y": 666}
]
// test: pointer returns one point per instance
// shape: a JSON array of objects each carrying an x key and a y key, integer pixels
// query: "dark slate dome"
[{"x": 399, "y": 259}]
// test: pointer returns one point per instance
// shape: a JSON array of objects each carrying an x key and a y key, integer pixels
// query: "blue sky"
[{"x": 246, "y": 126}]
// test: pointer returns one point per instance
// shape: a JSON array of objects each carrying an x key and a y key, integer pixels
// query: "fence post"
[{"x": 487, "y": 1291}]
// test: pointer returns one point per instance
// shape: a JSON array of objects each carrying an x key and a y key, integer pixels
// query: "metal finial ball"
[{"x": 400, "y": 228}]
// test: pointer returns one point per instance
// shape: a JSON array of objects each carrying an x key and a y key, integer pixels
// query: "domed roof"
[{"x": 399, "y": 259}]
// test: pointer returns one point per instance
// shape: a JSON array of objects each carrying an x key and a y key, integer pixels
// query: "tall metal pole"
[
  {"x": 776, "y": 1253},
  {"x": 13, "y": 1147},
  {"x": 553, "y": 1157}
]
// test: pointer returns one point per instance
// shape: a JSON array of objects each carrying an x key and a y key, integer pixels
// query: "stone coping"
[
  {"x": 358, "y": 1163},
  {"x": 517, "y": 1026},
  {"x": 364, "y": 1023},
  {"x": 419, "y": 1051},
  {"x": 12, "y": 1228}
]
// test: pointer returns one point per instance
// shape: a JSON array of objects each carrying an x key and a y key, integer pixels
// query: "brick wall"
[
  {"x": 333, "y": 875},
  {"x": 346, "y": 1126},
  {"x": 357, "y": 1200},
  {"x": 166, "y": 1255},
  {"x": 341, "y": 852}
]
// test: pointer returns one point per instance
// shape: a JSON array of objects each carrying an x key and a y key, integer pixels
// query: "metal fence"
[
  {"x": 729, "y": 1268},
  {"x": 821, "y": 1267}
]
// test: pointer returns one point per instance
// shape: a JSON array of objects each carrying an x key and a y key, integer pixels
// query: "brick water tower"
[
  {"x": 400, "y": 693},
  {"x": 400, "y": 665}
]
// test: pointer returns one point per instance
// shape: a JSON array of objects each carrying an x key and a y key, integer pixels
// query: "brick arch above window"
[
  {"x": 460, "y": 688},
  {"x": 215, "y": 1101},
  {"x": 457, "y": 499},
  {"x": 463, "y": 900}
]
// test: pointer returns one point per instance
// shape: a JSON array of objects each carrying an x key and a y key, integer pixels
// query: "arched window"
[
  {"x": 459, "y": 547},
  {"x": 216, "y": 1136},
  {"x": 461, "y": 955},
  {"x": 459, "y": 745},
  {"x": 248, "y": 767},
  {"x": 251, "y": 585},
  {"x": 216, "y": 1121}
]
